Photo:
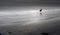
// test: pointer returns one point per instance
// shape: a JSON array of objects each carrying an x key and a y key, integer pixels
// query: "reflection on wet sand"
[{"x": 40, "y": 13}]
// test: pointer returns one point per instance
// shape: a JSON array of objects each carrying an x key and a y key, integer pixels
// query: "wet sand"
[{"x": 30, "y": 22}]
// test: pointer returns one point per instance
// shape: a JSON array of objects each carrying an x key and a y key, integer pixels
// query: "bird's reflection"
[{"x": 40, "y": 13}]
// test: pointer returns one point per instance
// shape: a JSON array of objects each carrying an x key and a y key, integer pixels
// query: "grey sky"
[{"x": 16, "y": 2}]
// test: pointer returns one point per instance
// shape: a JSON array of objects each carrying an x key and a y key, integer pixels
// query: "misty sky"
[{"x": 39, "y": 2}]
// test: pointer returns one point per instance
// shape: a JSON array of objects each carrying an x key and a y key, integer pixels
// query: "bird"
[{"x": 40, "y": 10}]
